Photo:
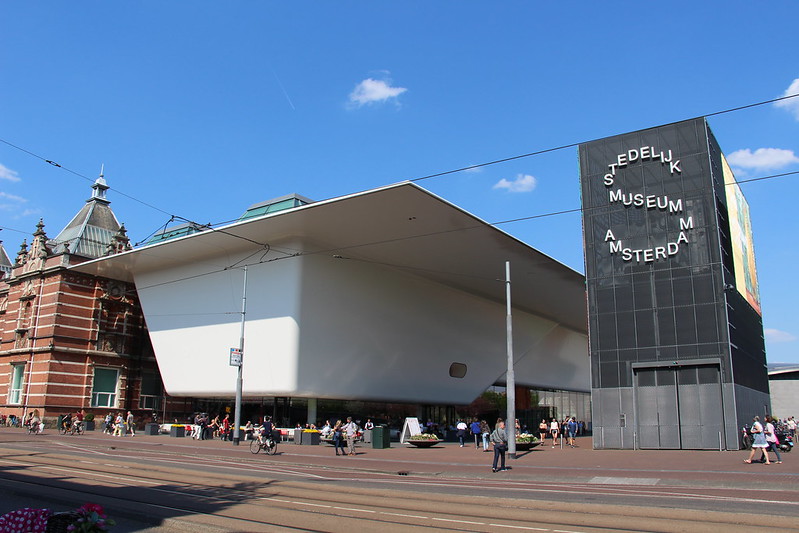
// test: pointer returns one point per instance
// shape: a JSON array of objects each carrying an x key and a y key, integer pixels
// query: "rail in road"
[{"x": 224, "y": 490}]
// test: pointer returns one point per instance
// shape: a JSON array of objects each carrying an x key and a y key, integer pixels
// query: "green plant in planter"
[
  {"x": 526, "y": 437},
  {"x": 424, "y": 436}
]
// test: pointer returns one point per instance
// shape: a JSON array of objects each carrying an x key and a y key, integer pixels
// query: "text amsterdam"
[{"x": 664, "y": 204}]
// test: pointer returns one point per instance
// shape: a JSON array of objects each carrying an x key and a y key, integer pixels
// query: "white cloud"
[
  {"x": 791, "y": 104},
  {"x": 12, "y": 197},
  {"x": 8, "y": 174},
  {"x": 371, "y": 91},
  {"x": 762, "y": 158},
  {"x": 522, "y": 183},
  {"x": 775, "y": 335}
]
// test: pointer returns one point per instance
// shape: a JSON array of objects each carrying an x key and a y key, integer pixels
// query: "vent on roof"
[
  {"x": 274, "y": 205},
  {"x": 175, "y": 232}
]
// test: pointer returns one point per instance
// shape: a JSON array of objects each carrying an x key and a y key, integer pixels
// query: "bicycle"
[
  {"x": 72, "y": 429},
  {"x": 269, "y": 445}
]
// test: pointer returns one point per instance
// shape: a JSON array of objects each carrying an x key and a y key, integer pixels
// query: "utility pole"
[
  {"x": 510, "y": 381},
  {"x": 237, "y": 417}
]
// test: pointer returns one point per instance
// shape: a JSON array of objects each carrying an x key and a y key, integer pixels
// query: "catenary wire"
[
  {"x": 53, "y": 163},
  {"x": 417, "y": 236},
  {"x": 421, "y": 178}
]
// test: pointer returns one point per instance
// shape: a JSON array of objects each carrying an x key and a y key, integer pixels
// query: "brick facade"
[{"x": 69, "y": 341}]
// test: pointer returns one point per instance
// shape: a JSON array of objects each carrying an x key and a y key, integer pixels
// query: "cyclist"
[
  {"x": 266, "y": 430},
  {"x": 66, "y": 422},
  {"x": 77, "y": 422}
]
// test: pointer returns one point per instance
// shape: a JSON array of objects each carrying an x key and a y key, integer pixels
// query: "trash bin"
[
  {"x": 152, "y": 429},
  {"x": 381, "y": 437},
  {"x": 310, "y": 438},
  {"x": 177, "y": 431}
]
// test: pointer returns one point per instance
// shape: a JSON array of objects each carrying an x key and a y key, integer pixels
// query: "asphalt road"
[{"x": 160, "y": 483}]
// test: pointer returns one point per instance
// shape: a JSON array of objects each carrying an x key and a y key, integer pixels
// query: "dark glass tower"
[{"x": 676, "y": 338}]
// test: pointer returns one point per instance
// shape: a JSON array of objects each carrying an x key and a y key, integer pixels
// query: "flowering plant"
[
  {"x": 91, "y": 519},
  {"x": 424, "y": 436},
  {"x": 526, "y": 437}
]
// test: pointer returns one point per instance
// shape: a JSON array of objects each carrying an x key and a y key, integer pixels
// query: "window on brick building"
[
  {"x": 104, "y": 387},
  {"x": 150, "y": 397},
  {"x": 17, "y": 379}
]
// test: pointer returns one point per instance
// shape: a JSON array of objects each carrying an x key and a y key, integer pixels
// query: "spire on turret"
[
  {"x": 92, "y": 230},
  {"x": 99, "y": 187}
]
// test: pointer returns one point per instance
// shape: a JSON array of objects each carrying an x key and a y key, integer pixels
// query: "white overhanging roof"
[{"x": 400, "y": 226}]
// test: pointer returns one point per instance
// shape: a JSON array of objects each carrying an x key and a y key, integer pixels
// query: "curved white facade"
[{"x": 358, "y": 311}]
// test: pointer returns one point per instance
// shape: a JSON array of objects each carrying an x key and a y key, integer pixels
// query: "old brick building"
[{"x": 70, "y": 341}]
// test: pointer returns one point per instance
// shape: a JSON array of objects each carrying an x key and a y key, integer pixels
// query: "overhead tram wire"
[
  {"x": 266, "y": 246},
  {"x": 421, "y": 235},
  {"x": 413, "y": 180},
  {"x": 575, "y": 144},
  {"x": 90, "y": 180}
]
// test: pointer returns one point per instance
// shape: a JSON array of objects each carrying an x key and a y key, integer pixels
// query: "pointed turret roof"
[
  {"x": 91, "y": 231},
  {"x": 5, "y": 262}
]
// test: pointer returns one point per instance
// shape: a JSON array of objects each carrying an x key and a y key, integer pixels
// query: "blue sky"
[{"x": 203, "y": 108}]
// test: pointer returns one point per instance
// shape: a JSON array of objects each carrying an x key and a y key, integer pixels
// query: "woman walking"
[
  {"x": 485, "y": 433},
  {"x": 554, "y": 429},
  {"x": 338, "y": 440},
  {"x": 760, "y": 441},
  {"x": 542, "y": 431},
  {"x": 771, "y": 439}
]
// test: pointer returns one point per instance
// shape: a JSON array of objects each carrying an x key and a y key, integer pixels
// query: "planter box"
[
  {"x": 310, "y": 439},
  {"x": 423, "y": 443}
]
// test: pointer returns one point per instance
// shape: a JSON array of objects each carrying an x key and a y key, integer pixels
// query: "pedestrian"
[
  {"x": 771, "y": 439},
  {"x": 554, "y": 429},
  {"x": 119, "y": 425},
  {"x": 759, "y": 441},
  {"x": 461, "y": 427},
  {"x": 499, "y": 438},
  {"x": 338, "y": 438},
  {"x": 351, "y": 430},
  {"x": 474, "y": 427},
  {"x": 571, "y": 430},
  {"x": 131, "y": 423},
  {"x": 542, "y": 431},
  {"x": 485, "y": 433},
  {"x": 226, "y": 428}
]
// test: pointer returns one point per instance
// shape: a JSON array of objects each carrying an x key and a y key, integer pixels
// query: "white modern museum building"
[{"x": 391, "y": 294}]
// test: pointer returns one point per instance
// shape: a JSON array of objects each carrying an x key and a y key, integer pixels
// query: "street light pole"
[
  {"x": 237, "y": 417},
  {"x": 510, "y": 381}
]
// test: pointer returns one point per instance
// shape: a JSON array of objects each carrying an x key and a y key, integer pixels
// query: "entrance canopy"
[
  {"x": 402, "y": 226},
  {"x": 388, "y": 281}
]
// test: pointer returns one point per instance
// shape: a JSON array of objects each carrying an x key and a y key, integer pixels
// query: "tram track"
[{"x": 334, "y": 499}]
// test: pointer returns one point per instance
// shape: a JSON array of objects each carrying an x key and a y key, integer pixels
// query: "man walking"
[
  {"x": 475, "y": 429},
  {"x": 351, "y": 429},
  {"x": 499, "y": 438},
  {"x": 131, "y": 424}
]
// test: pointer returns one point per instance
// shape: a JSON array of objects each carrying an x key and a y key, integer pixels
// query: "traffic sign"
[{"x": 235, "y": 357}]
